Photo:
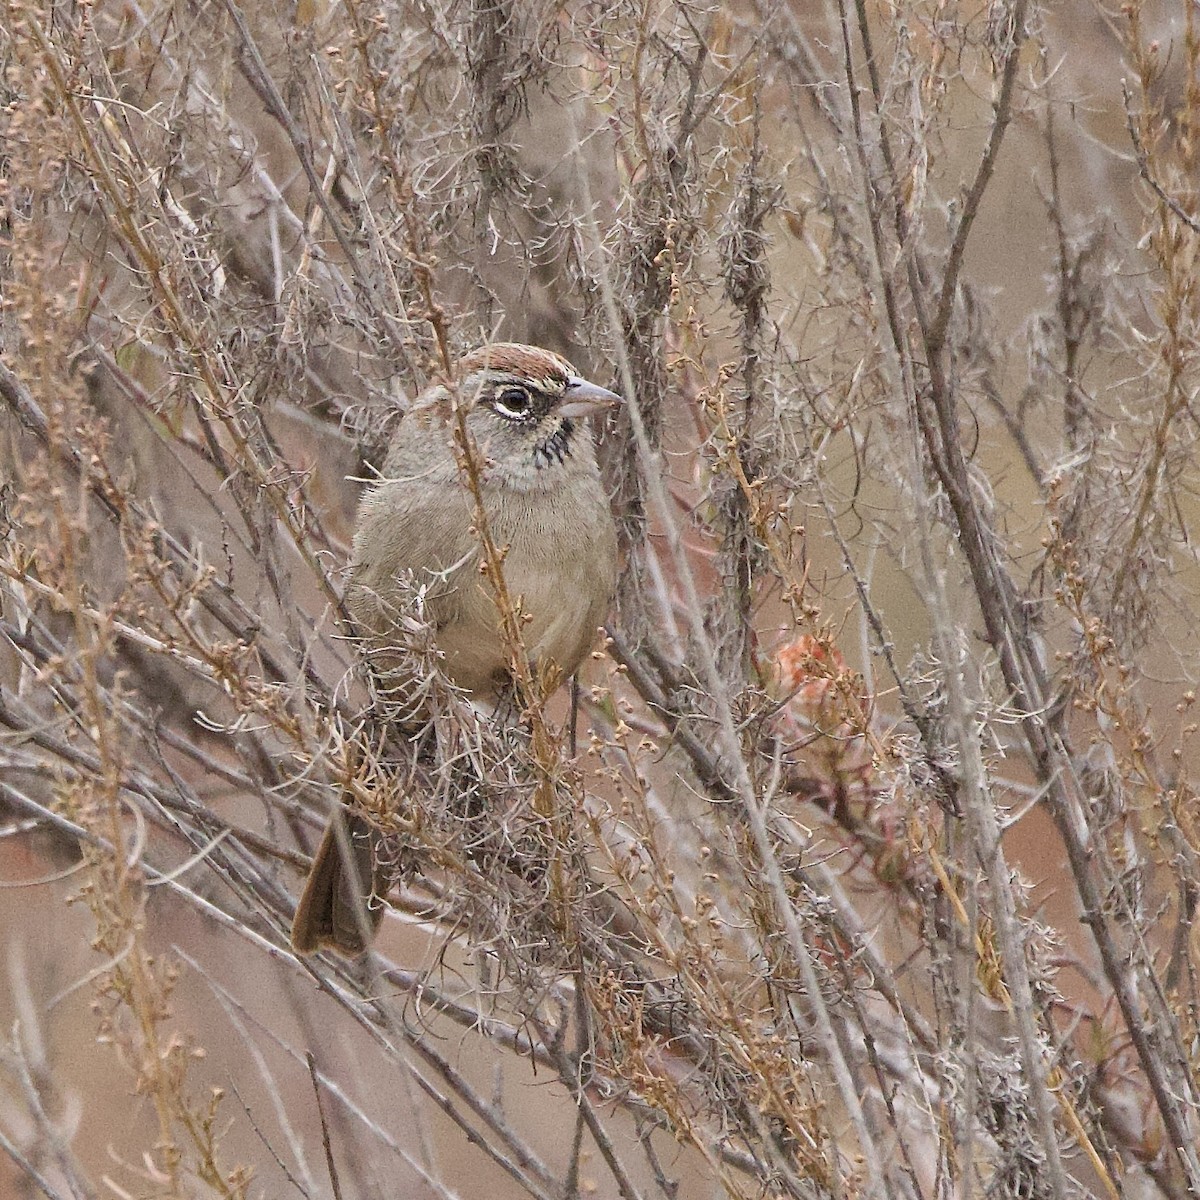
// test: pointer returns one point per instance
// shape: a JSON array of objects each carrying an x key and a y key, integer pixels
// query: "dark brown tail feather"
[{"x": 343, "y": 900}]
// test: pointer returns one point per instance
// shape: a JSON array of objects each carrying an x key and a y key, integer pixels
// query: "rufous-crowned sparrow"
[{"x": 542, "y": 498}]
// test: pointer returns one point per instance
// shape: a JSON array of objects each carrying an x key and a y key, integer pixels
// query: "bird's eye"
[{"x": 513, "y": 402}]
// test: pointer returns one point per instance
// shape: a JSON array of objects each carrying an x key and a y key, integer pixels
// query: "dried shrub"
[{"x": 865, "y": 861}]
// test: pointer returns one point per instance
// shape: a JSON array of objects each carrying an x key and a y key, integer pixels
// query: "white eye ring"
[{"x": 514, "y": 403}]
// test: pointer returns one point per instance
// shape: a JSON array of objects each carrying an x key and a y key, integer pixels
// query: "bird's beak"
[{"x": 582, "y": 398}]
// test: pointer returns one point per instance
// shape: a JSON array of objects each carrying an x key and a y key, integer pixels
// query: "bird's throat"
[{"x": 555, "y": 448}]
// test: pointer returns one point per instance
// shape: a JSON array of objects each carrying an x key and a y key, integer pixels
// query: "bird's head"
[{"x": 526, "y": 408}]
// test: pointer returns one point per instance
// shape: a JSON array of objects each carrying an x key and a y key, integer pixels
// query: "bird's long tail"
[{"x": 343, "y": 900}]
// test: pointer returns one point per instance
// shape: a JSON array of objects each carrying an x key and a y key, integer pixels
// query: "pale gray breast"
[{"x": 561, "y": 560}]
